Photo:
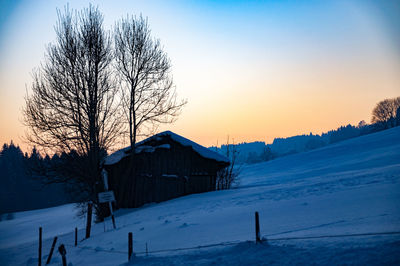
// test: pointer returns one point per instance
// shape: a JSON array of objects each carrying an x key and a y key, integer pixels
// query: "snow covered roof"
[
  {"x": 141, "y": 147},
  {"x": 116, "y": 156}
]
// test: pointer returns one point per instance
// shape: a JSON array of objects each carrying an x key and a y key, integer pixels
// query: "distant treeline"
[
  {"x": 30, "y": 181},
  {"x": 385, "y": 115},
  {"x": 22, "y": 188}
]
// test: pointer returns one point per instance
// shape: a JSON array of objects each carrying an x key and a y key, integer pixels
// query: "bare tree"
[
  {"x": 71, "y": 108},
  {"x": 229, "y": 175},
  {"x": 148, "y": 94},
  {"x": 384, "y": 112}
]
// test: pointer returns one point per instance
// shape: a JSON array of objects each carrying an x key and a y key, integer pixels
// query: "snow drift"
[{"x": 352, "y": 187}]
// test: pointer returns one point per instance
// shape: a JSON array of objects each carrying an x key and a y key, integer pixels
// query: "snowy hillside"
[{"x": 352, "y": 187}]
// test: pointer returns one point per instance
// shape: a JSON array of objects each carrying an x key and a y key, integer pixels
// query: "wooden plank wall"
[{"x": 195, "y": 174}]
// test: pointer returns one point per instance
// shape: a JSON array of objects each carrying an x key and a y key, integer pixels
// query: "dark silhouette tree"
[
  {"x": 228, "y": 176},
  {"x": 148, "y": 94},
  {"x": 384, "y": 113},
  {"x": 71, "y": 107},
  {"x": 21, "y": 189},
  {"x": 267, "y": 154}
]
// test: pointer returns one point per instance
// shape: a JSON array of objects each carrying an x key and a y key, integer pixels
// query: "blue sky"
[{"x": 255, "y": 70}]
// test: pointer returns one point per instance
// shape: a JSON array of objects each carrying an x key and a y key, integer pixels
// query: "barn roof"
[{"x": 141, "y": 146}]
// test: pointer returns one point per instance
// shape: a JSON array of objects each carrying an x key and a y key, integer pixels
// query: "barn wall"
[{"x": 194, "y": 174}]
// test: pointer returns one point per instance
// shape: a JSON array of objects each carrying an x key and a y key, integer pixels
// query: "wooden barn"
[{"x": 165, "y": 166}]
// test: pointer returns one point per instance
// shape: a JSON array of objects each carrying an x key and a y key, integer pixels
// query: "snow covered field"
[{"x": 352, "y": 187}]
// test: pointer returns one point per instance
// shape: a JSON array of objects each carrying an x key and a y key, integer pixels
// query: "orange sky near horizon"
[{"x": 250, "y": 70}]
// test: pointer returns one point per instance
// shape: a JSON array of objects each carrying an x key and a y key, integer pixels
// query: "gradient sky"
[{"x": 253, "y": 70}]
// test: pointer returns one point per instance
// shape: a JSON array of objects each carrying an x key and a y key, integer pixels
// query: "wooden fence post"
[
  {"x": 112, "y": 215},
  {"x": 76, "y": 236},
  {"x": 40, "y": 247},
  {"x": 258, "y": 238},
  {"x": 63, "y": 252},
  {"x": 130, "y": 244},
  {"x": 89, "y": 219},
  {"x": 51, "y": 250},
  {"x": 105, "y": 180}
]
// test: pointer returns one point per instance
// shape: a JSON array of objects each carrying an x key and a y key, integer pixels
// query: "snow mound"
[{"x": 349, "y": 188}]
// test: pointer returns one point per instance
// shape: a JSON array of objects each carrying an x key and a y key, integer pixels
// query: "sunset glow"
[{"x": 251, "y": 70}]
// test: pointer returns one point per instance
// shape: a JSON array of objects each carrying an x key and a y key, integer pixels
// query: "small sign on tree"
[{"x": 107, "y": 196}]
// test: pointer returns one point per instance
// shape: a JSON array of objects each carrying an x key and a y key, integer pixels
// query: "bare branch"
[
  {"x": 144, "y": 69},
  {"x": 71, "y": 108}
]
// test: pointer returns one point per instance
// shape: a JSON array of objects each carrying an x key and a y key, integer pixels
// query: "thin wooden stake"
[
  {"x": 40, "y": 247},
  {"x": 51, "y": 250},
  {"x": 258, "y": 238},
  {"x": 147, "y": 251},
  {"x": 89, "y": 219},
  {"x": 76, "y": 236},
  {"x": 105, "y": 179},
  {"x": 112, "y": 216},
  {"x": 63, "y": 253},
  {"x": 130, "y": 245}
]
